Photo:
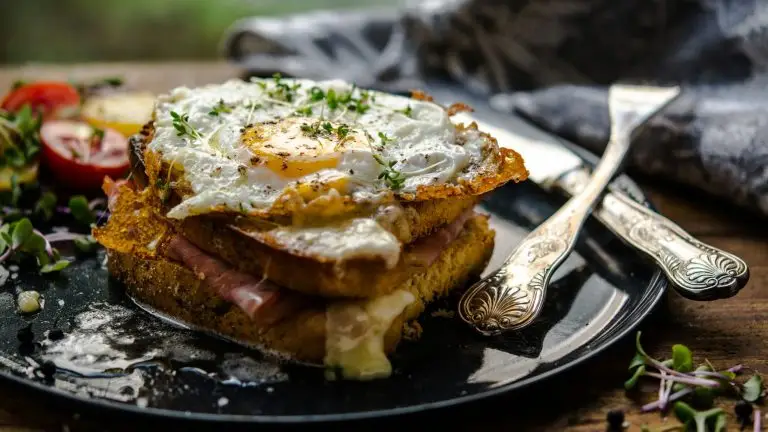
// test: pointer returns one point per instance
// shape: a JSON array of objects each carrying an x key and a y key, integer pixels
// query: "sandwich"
[{"x": 311, "y": 219}]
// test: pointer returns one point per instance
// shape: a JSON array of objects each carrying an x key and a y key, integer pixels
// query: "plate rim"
[{"x": 653, "y": 293}]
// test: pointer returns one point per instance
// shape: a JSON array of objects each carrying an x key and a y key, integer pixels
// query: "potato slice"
[{"x": 124, "y": 112}]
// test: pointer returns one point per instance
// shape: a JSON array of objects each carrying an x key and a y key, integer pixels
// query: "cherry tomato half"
[
  {"x": 78, "y": 157},
  {"x": 52, "y": 98}
]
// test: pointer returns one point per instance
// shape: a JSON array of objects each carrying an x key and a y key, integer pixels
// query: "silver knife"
[{"x": 696, "y": 270}]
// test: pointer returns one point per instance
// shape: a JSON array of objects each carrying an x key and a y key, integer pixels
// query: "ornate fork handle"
[
  {"x": 512, "y": 297},
  {"x": 697, "y": 271}
]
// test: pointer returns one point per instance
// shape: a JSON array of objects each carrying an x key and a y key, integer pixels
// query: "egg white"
[
  {"x": 419, "y": 138},
  {"x": 218, "y": 166}
]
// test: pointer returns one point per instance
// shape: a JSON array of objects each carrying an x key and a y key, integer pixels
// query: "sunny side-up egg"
[{"x": 243, "y": 145}]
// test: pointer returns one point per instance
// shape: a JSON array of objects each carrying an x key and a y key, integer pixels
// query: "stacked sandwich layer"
[{"x": 312, "y": 219}]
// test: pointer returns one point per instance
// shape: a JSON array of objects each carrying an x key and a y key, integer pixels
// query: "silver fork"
[{"x": 512, "y": 297}]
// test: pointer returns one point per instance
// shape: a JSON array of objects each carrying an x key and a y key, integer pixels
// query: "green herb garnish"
[
  {"x": 305, "y": 111},
  {"x": 164, "y": 189},
  {"x": 182, "y": 126},
  {"x": 220, "y": 108},
  {"x": 384, "y": 138},
  {"x": 342, "y": 131},
  {"x": 701, "y": 421},
  {"x": 78, "y": 206},
  {"x": 85, "y": 244},
  {"x": 19, "y": 239},
  {"x": 311, "y": 130},
  {"x": 281, "y": 90},
  {"x": 331, "y": 99},
  {"x": 692, "y": 389},
  {"x": 19, "y": 137},
  {"x": 316, "y": 94},
  {"x": 392, "y": 177},
  {"x": 46, "y": 205},
  {"x": 97, "y": 135},
  {"x": 407, "y": 111}
]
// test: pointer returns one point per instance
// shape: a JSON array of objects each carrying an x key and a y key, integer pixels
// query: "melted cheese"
[
  {"x": 355, "y": 335},
  {"x": 355, "y": 238}
]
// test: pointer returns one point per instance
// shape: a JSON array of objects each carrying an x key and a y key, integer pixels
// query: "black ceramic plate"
[{"x": 115, "y": 355}]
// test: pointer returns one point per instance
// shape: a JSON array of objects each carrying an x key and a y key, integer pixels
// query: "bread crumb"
[
  {"x": 412, "y": 330},
  {"x": 443, "y": 313}
]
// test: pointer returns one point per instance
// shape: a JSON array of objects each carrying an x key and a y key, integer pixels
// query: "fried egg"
[{"x": 256, "y": 147}]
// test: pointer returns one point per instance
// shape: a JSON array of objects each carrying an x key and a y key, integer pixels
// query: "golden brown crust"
[
  {"x": 176, "y": 291},
  {"x": 135, "y": 228},
  {"x": 504, "y": 165}
]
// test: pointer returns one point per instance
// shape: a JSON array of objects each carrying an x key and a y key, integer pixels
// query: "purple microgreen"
[
  {"x": 757, "y": 425},
  {"x": 685, "y": 379},
  {"x": 96, "y": 203},
  {"x": 673, "y": 397},
  {"x": 21, "y": 237}
]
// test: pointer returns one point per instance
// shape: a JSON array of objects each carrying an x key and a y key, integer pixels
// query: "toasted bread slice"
[
  {"x": 173, "y": 289},
  {"x": 135, "y": 227},
  {"x": 362, "y": 277}
]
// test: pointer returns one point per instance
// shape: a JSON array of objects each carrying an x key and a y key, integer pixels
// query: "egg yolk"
[{"x": 295, "y": 146}]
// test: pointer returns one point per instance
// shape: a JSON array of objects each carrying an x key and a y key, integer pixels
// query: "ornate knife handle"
[{"x": 697, "y": 271}]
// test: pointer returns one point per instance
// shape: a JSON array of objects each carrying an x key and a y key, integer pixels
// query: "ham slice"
[
  {"x": 112, "y": 188},
  {"x": 425, "y": 251},
  {"x": 258, "y": 298},
  {"x": 264, "y": 301}
]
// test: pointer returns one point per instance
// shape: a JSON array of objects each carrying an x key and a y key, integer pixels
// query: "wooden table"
[{"x": 725, "y": 332}]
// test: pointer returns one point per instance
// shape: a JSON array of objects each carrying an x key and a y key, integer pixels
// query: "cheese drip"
[{"x": 355, "y": 330}]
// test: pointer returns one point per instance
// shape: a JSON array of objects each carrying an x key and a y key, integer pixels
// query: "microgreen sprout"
[
  {"x": 304, "y": 111},
  {"x": 282, "y": 91},
  {"x": 220, "y": 108},
  {"x": 182, "y": 126},
  {"x": 385, "y": 138},
  {"x": 19, "y": 137},
  {"x": 407, "y": 111},
  {"x": 20, "y": 239},
  {"x": 680, "y": 381},
  {"x": 392, "y": 177},
  {"x": 316, "y": 94}
]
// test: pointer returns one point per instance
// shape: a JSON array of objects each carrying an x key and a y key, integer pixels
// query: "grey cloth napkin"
[{"x": 551, "y": 62}]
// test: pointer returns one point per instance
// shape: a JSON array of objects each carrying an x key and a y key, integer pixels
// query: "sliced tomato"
[
  {"x": 79, "y": 158},
  {"x": 52, "y": 98}
]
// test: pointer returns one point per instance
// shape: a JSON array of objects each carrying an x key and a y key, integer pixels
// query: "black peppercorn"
[
  {"x": 55, "y": 334},
  {"x": 615, "y": 420},
  {"x": 743, "y": 410},
  {"x": 25, "y": 335},
  {"x": 48, "y": 369}
]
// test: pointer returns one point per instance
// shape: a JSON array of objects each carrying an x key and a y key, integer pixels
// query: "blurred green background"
[{"x": 118, "y": 30}]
